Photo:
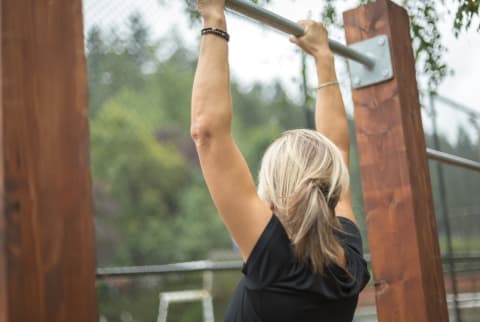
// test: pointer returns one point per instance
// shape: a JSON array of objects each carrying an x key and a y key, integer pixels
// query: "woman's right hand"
[
  {"x": 211, "y": 8},
  {"x": 315, "y": 39}
]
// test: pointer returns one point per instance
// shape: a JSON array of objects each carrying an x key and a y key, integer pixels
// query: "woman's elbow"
[
  {"x": 201, "y": 134},
  {"x": 208, "y": 123}
]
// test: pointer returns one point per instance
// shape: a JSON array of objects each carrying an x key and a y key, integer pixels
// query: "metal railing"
[
  {"x": 185, "y": 267},
  {"x": 216, "y": 266},
  {"x": 280, "y": 23},
  {"x": 453, "y": 160}
]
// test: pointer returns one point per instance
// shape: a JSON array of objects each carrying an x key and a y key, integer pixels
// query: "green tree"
[{"x": 142, "y": 177}]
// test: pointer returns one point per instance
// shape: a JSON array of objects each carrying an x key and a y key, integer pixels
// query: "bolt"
[
  {"x": 385, "y": 73},
  {"x": 356, "y": 80},
  {"x": 381, "y": 41}
]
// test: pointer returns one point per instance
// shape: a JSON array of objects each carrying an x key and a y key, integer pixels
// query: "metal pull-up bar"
[{"x": 278, "y": 22}]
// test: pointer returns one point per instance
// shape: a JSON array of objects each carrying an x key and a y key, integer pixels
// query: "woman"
[{"x": 303, "y": 262}]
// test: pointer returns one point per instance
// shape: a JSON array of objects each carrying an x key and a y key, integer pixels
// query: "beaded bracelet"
[{"x": 216, "y": 32}]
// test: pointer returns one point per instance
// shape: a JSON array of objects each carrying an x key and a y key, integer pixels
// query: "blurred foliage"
[
  {"x": 146, "y": 182},
  {"x": 151, "y": 203},
  {"x": 466, "y": 12}
]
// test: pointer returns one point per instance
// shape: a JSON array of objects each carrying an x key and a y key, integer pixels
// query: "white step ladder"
[{"x": 203, "y": 295}]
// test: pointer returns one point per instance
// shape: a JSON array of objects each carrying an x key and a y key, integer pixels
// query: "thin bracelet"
[
  {"x": 327, "y": 84},
  {"x": 217, "y": 32}
]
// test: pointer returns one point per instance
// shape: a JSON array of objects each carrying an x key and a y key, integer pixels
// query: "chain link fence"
[{"x": 151, "y": 204}]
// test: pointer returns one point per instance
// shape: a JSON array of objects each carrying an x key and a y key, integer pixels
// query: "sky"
[{"x": 259, "y": 54}]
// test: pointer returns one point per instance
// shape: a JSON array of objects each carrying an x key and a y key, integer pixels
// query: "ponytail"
[{"x": 313, "y": 234}]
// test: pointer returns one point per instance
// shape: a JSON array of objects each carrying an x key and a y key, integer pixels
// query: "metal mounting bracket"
[{"x": 379, "y": 49}]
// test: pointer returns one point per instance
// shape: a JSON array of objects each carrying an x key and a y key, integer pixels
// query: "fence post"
[
  {"x": 47, "y": 252},
  {"x": 396, "y": 184}
]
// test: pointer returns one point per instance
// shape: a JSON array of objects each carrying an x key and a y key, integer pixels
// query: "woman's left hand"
[
  {"x": 315, "y": 39},
  {"x": 211, "y": 8}
]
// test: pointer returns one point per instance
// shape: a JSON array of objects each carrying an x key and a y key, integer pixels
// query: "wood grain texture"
[
  {"x": 49, "y": 251},
  {"x": 3, "y": 246},
  {"x": 396, "y": 184}
]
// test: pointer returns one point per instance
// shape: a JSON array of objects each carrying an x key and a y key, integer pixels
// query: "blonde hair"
[{"x": 302, "y": 175}]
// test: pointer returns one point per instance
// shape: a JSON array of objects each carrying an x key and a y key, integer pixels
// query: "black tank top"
[{"x": 276, "y": 287}]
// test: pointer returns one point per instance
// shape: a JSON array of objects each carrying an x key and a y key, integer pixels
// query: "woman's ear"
[{"x": 272, "y": 207}]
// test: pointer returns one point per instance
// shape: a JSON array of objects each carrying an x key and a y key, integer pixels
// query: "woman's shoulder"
[
  {"x": 349, "y": 234},
  {"x": 270, "y": 255}
]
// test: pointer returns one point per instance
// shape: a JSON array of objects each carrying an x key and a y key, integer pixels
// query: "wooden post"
[
  {"x": 395, "y": 178},
  {"x": 47, "y": 253},
  {"x": 3, "y": 246}
]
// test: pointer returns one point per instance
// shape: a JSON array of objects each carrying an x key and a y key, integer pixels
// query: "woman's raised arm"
[
  {"x": 330, "y": 115},
  {"x": 225, "y": 171}
]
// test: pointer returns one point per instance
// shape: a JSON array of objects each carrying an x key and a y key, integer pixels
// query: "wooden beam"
[
  {"x": 47, "y": 223},
  {"x": 402, "y": 230},
  {"x": 3, "y": 247}
]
